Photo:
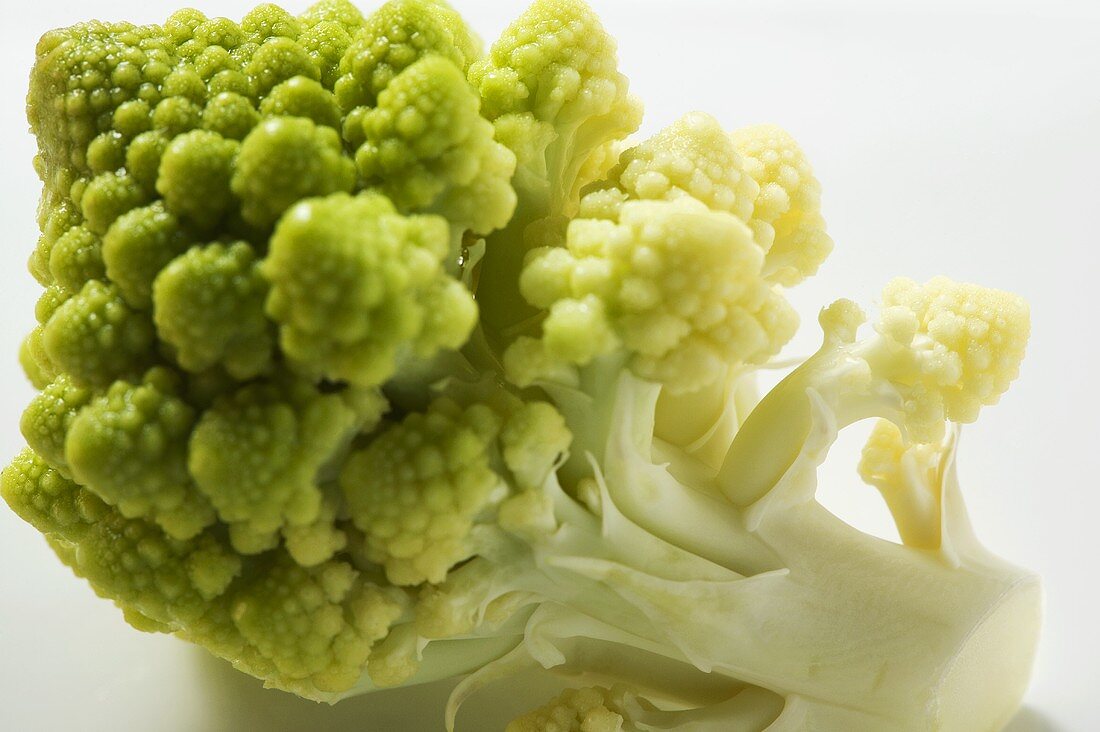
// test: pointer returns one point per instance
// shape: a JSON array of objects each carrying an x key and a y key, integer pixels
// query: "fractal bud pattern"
[{"x": 369, "y": 356}]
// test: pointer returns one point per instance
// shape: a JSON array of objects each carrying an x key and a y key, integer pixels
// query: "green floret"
[
  {"x": 107, "y": 197},
  {"x": 230, "y": 115},
  {"x": 269, "y": 21},
  {"x": 52, "y": 298},
  {"x": 96, "y": 337},
  {"x": 160, "y": 582},
  {"x": 107, "y": 152},
  {"x": 429, "y": 150},
  {"x": 231, "y": 80},
  {"x": 356, "y": 287},
  {"x": 143, "y": 158},
  {"x": 552, "y": 88},
  {"x": 214, "y": 32},
  {"x": 277, "y": 60},
  {"x": 329, "y": 27},
  {"x": 555, "y": 67},
  {"x": 138, "y": 246},
  {"x": 218, "y": 62},
  {"x": 416, "y": 490},
  {"x": 181, "y": 26},
  {"x": 340, "y": 12},
  {"x": 129, "y": 447},
  {"x": 303, "y": 97},
  {"x": 184, "y": 82},
  {"x": 75, "y": 258},
  {"x": 316, "y": 624},
  {"x": 285, "y": 159},
  {"x": 209, "y": 306},
  {"x": 326, "y": 43},
  {"x": 81, "y": 76},
  {"x": 55, "y": 221},
  {"x": 47, "y": 419},
  {"x": 132, "y": 118},
  {"x": 423, "y": 488},
  {"x": 175, "y": 115},
  {"x": 34, "y": 360},
  {"x": 258, "y": 454},
  {"x": 194, "y": 177},
  {"x": 396, "y": 36}
]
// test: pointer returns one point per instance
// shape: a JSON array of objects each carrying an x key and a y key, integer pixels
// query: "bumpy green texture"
[
  {"x": 394, "y": 37},
  {"x": 415, "y": 490},
  {"x": 355, "y": 286},
  {"x": 257, "y": 452},
  {"x": 138, "y": 246},
  {"x": 208, "y": 305},
  {"x": 129, "y": 447},
  {"x": 368, "y": 357},
  {"x": 285, "y": 159},
  {"x": 96, "y": 337},
  {"x": 428, "y": 149}
]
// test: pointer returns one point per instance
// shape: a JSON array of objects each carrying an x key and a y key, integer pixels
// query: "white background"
[{"x": 951, "y": 137}]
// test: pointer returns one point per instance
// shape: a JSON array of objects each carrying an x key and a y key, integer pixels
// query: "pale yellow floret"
[
  {"x": 786, "y": 217},
  {"x": 973, "y": 338},
  {"x": 907, "y": 476},
  {"x": 532, "y": 441},
  {"x": 591, "y": 709},
  {"x": 676, "y": 285},
  {"x": 692, "y": 157}
]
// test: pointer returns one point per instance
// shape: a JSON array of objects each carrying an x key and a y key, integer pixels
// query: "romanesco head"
[
  {"x": 196, "y": 390},
  {"x": 364, "y": 356}
]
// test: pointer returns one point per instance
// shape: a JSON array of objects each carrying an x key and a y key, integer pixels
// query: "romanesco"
[{"x": 367, "y": 357}]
